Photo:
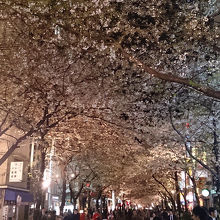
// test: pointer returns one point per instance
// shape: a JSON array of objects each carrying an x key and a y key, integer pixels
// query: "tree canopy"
[{"x": 108, "y": 72}]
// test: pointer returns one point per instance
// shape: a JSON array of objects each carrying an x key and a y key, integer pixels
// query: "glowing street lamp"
[
  {"x": 46, "y": 183},
  {"x": 205, "y": 192}
]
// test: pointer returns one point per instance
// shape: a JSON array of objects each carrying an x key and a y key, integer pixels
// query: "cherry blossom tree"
[
  {"x": 56, "y": 41},
  {"x": 196, "y": 124},
  {"x": 117, "y": 65}
]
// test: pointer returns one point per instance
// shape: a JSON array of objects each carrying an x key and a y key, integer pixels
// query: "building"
[
  {"x": 51, "y": 185},
  {"x": 15, "y": 197}
]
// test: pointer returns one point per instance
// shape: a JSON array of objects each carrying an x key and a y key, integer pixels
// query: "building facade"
[{"x": 15, "y": 197}]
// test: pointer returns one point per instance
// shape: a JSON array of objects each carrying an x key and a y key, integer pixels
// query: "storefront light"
[{"x": 205, "y": 192}]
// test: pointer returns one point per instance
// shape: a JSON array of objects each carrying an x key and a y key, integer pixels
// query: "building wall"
[
  {"x": 21, "y": 154},
  {"x": 3, "y": 170}
]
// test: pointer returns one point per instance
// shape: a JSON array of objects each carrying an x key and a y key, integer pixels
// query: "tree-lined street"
[{"x": 109, "y": 105}]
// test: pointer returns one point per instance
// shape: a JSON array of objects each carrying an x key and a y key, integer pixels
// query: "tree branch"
[
  {"x": 173, "y": 78},
  {"x": 187, "y": 149},
  {"x": 160, "y": 183}
]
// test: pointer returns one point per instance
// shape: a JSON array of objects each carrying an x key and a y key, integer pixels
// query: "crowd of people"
[
  {"x": 198, "y": 213},
  {"x": 112, "y": 215},
  {"x": 201, "y": 213}
]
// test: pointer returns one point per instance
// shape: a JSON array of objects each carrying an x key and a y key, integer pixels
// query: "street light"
[{"x": 46, "y": 183}]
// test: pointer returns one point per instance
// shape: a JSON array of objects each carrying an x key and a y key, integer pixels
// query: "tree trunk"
[
  {"x": 89, "y": 200},
  {"x": 173, "y": 203},
  {"x": 170, "y": 197},
  {"x": 169, "y": 77},
  {"x": 74, "y": 203},
  {"x": 63, "y": 199},
  {"x": 217, "y": 155},
  {"x": 194, "y": 189},
  {"x": 98, "y": 198},
  {"x": 177, "y": 194},
  {"x": 41, "y": 192},
  {"x": 166, "y": 204},
  {"x": 184, "y": 195}
]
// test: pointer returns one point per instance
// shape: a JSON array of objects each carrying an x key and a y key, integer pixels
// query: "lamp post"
[{"x": 18, "y": 203}]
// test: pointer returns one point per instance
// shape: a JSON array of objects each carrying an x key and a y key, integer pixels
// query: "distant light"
[
  {"x": 205, "y": 192},
  {"x": 46, "y": 183},
  {"x": 187, "y": 125},
  {"x": 189, "y": 197},
  {"x": 72, "y": 175},
  {"x": 213, "y": 191}
]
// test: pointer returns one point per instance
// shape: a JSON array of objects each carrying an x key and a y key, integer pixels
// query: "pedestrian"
[
  {"x": 96, "y": 215},
  {"x": 213, "y": 213},
  {"x": 199, "y": 213},
  {"x": 44, "y": 214},
  {"x": 75, "y": 215},
  {"x": 172, "y": 216},
  {"x": 110, "y": 215},
  {"x": 83, "y": 214},
  {"x": 135, "y": 215},
  {"x": 67, "y": 215},
  {"x": 165, "y": 215}
]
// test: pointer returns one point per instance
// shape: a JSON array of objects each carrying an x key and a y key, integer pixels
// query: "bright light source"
[
  {"x": 46, "y": 183},
  {"x": 205, "y": 192},
  {"x": 189, "y": 197},
  {"x": 72, "y": 175}
]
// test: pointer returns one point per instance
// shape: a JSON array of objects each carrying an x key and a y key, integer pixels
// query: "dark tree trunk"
[
  {"x": 162, "y": 204},
  {"x": 166, "y": 204},
  {"x": 177, "y": 194},
  {"x": 170, "y": 197},
  {"x": 184, "y": 197},
  {"x": 74, "y": 203},
  {"x": 194, "y": 189},
  {"x": 217, "y": 155},
  {"x": 98, "y": 198},
  {"x": 41, "y": 192},
  {"x": 89, "y": 200},
  {"x": 84, "y": 199},
  {"x": 63, "y": 200},
  {"x": 173, "y": 203},
  {"x": 75, "y": 196}
]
